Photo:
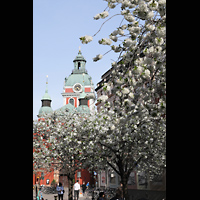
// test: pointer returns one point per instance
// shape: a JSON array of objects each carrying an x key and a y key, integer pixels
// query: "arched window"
[
  {"x": 79, "y": 65},
  {"x": 71, "y": 101}
]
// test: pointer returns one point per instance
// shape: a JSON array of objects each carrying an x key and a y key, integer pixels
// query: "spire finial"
[
  {"x": 46, "y": 79},
  {"x": 79, "y": 48},
  {"x": 46, "y": 91}
]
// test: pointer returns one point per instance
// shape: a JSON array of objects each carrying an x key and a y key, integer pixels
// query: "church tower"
[
  {"x": 77, "y": 83},
  {"x": 46, "y": 102}
]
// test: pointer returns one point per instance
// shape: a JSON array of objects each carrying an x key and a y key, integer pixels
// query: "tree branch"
[
  {"x": 104, "y": 23},
  {"x": 114, "y": 168}
]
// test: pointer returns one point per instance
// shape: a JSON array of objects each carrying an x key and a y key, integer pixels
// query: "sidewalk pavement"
[{"x": 65, "y": 196}]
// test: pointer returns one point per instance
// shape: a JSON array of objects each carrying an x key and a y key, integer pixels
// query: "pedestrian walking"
[
  {"x": 36, "y": 187},
  {"x": 60, "y": 190},
  {"x": 76, "y": 190},
  {"x": 83, "y": 187},
  {"x": 101, "y": 196},
  {"x": 87, "y": 185},
  {"x": 39, "y": 196},
  {"x": 119, "y": 193}
]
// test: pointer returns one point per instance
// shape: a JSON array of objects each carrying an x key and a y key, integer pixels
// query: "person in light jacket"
[
  {"x": 76, "y": 190},
  {"x": 60, "y": 190}
]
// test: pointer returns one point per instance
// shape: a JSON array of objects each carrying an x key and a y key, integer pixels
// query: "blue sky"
[{"x": 57, "y": 26}]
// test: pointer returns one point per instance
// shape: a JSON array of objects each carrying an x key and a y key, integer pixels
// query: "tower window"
[
  {"x": 79, "y": 65},
  {"x": 71, "y": 101},
  {"x": 46, "y": 103}
]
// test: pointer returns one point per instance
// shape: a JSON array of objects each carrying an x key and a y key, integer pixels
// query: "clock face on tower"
[{"x": 77, "y": 87}]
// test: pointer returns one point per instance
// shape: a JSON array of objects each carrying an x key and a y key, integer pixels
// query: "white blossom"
[
  {"x": 101, "y": 15},
  {"x": 120, "y": 32},
  {"x": 116, "y": 48},
  {"x": 147, "y": 73},
  {"x": 125, "y": 90},
  {"x": 124, "y": 12},
  {"x": 111, "y": 5},
  {"x": 158, "y": 49},
  {"x": 103, "y": 98},
  {"x": 123, "y": 26},
  {"x": 98, "y": 57},
  {"x": 97, "y": 16},
  {"x": 131, "y": 95},
  {"x": 161, "y": 31},
  {"x": 85, "y": 39},
  {"x": 150, "y": 27},
  {"x": 148, "y": 61},
  {"x": 142, "y": 6},
  {"x": 119, "y": 81},
  {"x": 129, "y": 43},
  {"x": 162, "y": 2},
  {"x": 119, "y": 93},
  {"x": 150, "y": 15},
  {"x": 104, "y": 14},
  {"x": 153, "y": 5},
  {"x": 129, "y": 17},
  {"x": 139, "y": 69},
  {"x": 126, "y": 3},
  {"x": 114, "y": 33},
  {"x": 112, "y": 127},
  {"x": 159, "y": 41},
  {"x": 107, "y": 87},
  {"x": 105, "y": 41},
  {"x": 114, "y": 38},
  {"x": 133, "y": 81}
]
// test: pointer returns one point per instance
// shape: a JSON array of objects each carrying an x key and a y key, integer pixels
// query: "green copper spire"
[
  {"x": 46, "y": 102},
  {"x": 46, "y": 95},
  {"x": 79, "y": 57}
]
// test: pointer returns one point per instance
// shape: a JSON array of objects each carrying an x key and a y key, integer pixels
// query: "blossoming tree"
[
  {"x": 56, "y": 146},
  {"x": 130, "y": 130}
]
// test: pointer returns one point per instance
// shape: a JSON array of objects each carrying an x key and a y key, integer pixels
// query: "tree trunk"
[
  {"x": 70, "y": 193},
  {"x": 124, "y": 187}
]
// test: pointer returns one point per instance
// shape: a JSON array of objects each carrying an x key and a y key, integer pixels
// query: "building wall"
[
  {"x": 85, "y": 176},
  {"x": 48, "y": 178}
]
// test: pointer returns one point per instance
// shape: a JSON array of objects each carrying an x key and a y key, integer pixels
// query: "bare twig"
[{"x": 104, "y": 23}]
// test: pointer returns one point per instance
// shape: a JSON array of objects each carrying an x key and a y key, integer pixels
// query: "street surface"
[{"x": 65, "y": 196}]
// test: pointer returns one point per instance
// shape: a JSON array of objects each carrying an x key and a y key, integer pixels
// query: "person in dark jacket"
[
  {"x": 119, "y": 193},
  {"x": 83, "y": 187},
  {"x": 101, "y": 196}
]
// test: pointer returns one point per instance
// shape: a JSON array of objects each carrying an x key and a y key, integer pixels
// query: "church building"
[
  {"x": 78, "y": 91},
  {"x": 78, "y": 96}
]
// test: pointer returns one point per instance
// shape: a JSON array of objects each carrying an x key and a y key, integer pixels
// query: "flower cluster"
[
  {"x": 105, "y": 41},
  {"x": 85, "y": 39},
  {"x": 101, "y": 15},
  {"x": 98, "y": 57}
]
